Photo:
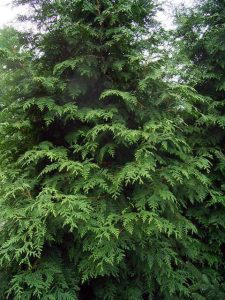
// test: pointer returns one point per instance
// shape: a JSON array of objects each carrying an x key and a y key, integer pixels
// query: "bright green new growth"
[{"x": 98, "y": 168}]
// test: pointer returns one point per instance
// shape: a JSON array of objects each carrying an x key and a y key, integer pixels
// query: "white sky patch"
[
  {"x": 8, "y": 14},
  {"x": 166, "y": 17}
]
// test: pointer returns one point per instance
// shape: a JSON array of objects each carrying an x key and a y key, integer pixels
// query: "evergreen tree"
[
  {"x": 97, "y": 168},
  {"x": 201, "y": 32}
]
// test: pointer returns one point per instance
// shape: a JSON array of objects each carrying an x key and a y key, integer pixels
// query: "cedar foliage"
[
  {"x": 98, "y": 167},
  {"x": 201, "y": 32}
]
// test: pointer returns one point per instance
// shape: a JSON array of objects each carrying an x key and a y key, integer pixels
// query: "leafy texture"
[
  {"x": 98, "y": 169},
  {"x": 202, "y": 48}
]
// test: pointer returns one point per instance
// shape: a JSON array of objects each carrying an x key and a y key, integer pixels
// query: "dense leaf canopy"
[{"x": 111, "y": 175}]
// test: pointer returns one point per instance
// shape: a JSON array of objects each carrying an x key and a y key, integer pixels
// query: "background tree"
[
  {"x": 201, "y": 34},
  {"x": 97, "y": 167}
]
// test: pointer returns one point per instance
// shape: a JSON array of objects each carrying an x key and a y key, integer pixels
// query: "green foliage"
[
  {"x": 102, "y": 173},
  {"x": 202, "y": 48}
]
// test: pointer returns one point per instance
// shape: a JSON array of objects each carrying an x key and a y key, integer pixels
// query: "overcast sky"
[{"x": 7, "y": 14}]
